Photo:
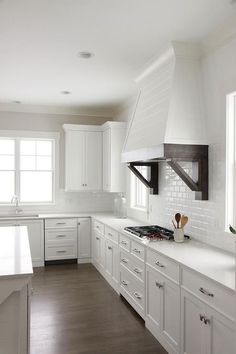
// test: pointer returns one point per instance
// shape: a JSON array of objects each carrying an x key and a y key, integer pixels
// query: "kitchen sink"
[{"x": 18, "y": 215}]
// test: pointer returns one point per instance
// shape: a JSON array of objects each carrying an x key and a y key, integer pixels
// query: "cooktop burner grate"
[{"x": 151, "y": 232}]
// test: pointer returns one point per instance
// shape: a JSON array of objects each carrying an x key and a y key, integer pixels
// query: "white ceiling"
[{"x": 40, "y": 39}]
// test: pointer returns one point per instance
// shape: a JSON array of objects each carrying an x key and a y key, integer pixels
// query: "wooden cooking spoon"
[
  {"x": 184, "y": 220},
  {"x": 177, "y": 219}
]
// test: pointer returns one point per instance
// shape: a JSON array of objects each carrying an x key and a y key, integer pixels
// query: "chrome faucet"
[{"x": 15, "y": 200}]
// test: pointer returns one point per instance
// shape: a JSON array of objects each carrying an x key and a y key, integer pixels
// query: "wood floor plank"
[{"x": 75, "y": 311}]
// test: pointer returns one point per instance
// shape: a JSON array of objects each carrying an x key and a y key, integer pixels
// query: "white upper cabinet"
[
  {"x": 83, "y": 154},
  {"x": 113, "y": 169}
]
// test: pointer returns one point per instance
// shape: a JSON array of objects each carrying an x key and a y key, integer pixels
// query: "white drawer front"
[
  {"x": 99, "y": 227},
  {"x": 138, "y": 250},
  {"x": 138, "y": 294},
  {"x": 111, "y": 234},
  {"x": 60, "y": 223},
  {"x": 60, "y": 252},
  {"x": 138, "y": 269},
  {"x": 133, "y": 288},
  {"x": 135, "y": 266},
  {"x": 125, "y": 260},
  {"x": 163, "y": 265},
  {"x": 208, "y": 291},
  {"x": 125, "y": 281},
  {"x": 61, "y": 236},
  {"x": 124, "y": 242}
]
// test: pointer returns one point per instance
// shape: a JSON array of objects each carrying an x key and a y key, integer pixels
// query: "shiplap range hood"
[{"x": 169, "y": 120}]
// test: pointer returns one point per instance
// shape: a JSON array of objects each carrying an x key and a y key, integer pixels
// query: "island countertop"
[{"x": 15, "y": 256}]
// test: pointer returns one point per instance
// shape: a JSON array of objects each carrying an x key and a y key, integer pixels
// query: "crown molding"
[
  {"x": 103, "y": 112},
  {"x": 223, "y": 35}
]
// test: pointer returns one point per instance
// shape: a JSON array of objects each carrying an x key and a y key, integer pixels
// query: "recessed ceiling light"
[
  {"x": 65, "y": 92},
  {"x": 85, "y": 55},
  {"x": 16, "y": 102}
]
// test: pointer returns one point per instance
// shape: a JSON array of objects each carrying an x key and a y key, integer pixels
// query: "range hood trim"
[{"x": 173, "y": 154}]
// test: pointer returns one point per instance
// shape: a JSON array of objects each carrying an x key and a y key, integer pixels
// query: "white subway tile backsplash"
[{"x": 174, "y": 196}]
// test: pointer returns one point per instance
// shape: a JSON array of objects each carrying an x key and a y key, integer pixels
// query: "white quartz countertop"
[
  {"x": 212, "y": 262},
  {"x": 209, "y": 261},
  {"x": 15, "y": 257}
]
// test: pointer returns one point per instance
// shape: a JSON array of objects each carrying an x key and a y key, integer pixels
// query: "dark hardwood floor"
[{"x": 74, "y": 311}]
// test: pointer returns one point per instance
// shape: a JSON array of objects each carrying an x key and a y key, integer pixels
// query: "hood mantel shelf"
[{"x": 173, "y": 154}]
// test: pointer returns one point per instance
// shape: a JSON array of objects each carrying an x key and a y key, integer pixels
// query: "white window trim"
[
  {"x": 133, "y": 204},
  {"x": 230, "y": 200},
  {"x": 34, "y": 135}
]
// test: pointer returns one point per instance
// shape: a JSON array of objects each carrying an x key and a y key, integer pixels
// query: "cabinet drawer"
[
  {"x": 61, "y": 236},
  {"x": 60, "y": 223},
  {"x": 135, "y": 266},
  {"x": 208, "y": 291},
  {"x": 133, "y": 288},
  {"x": 124, "y": 242},
  {"x": 111, "y": 234},
  {"x": 60, "y": 252},
  {"x": 137, "y": 250},
  {"x": 98, "y": 226},
  {"x": 163, "y": 265}
]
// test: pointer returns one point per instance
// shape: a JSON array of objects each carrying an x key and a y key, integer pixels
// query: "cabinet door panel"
[
  {"x": 84, "y": 243},
  {"x": 102, "y": 252},
  {"x": 171, "y": 312},
  {"x": 96, "y": 248},
  {"x": 222, "y": 334},
  {"x": 116, "y": 262},
  {"x": 194, "y": 331},
  {"x": 109, "y": 259},
  {"x": 36, "y": 238},
  {"x": 75, "y": 152},
  {"x": 106, "y": 159},
  {"x": 93, "y": 161},
  {"x": 154, "y": 299}
]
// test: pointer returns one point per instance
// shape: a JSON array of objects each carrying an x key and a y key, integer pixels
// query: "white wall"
[
  {"x": 206, "y": 218},
  {"x": 53, "y": 123}
]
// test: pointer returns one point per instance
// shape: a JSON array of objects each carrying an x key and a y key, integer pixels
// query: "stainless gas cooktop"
[{"x": 152, "y": 232}]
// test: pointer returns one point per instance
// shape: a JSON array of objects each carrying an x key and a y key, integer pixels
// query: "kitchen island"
[{"x": 15, "y": 284}]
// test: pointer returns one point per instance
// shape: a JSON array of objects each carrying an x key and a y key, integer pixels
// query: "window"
[
  {"x": 231, "y": 161},
  {"x": 139, "y": 193},
  {"x": 27, "y": 170}
]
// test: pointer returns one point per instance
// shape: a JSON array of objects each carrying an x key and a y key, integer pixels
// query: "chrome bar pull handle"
[
  {"x": 159, "y": 264},
  {"x": 159, "y": 285},
  {"x": 205, "y": 292}
]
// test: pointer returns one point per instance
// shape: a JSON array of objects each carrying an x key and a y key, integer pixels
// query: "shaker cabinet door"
[
  {"x": 93, "y": 161},
  {"x": 74, "y": 164}
]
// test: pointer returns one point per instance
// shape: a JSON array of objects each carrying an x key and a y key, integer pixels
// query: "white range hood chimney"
[{"x": 170, "y": 107}]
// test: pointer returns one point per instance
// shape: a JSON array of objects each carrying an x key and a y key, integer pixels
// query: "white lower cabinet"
[
  {"x": 163, "y": 309},
  {"x": 187, "y": 312},
  {"x": 84, "y": 240},
  {"x": 60, "y": 239},
  {"x": 112, "y": 263},
  {"x": 36, "y": 238},
  {"x": 205, "y": 330},
  {"x": 96, "y": 248}
]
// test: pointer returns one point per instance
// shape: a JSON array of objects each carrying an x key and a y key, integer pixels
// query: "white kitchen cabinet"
[
  {"x": 84, "y": 240},
  {"x": 163, "y": 309},
  {"x": 83, "y": 155},
  {"x": 96, "y": 248},
  {"x": 60, "y": 239},
  {"x": 113, "y": 170},
  {"x": 112, "y": 262},
  {"x": 205, "y": 330},
  {"x": 36, "y": 238}
]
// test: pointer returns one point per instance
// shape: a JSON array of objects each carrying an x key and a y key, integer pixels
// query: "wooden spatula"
[
  {"x": 177, "y": 219},
  {"x": 183, "y": 221}
]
